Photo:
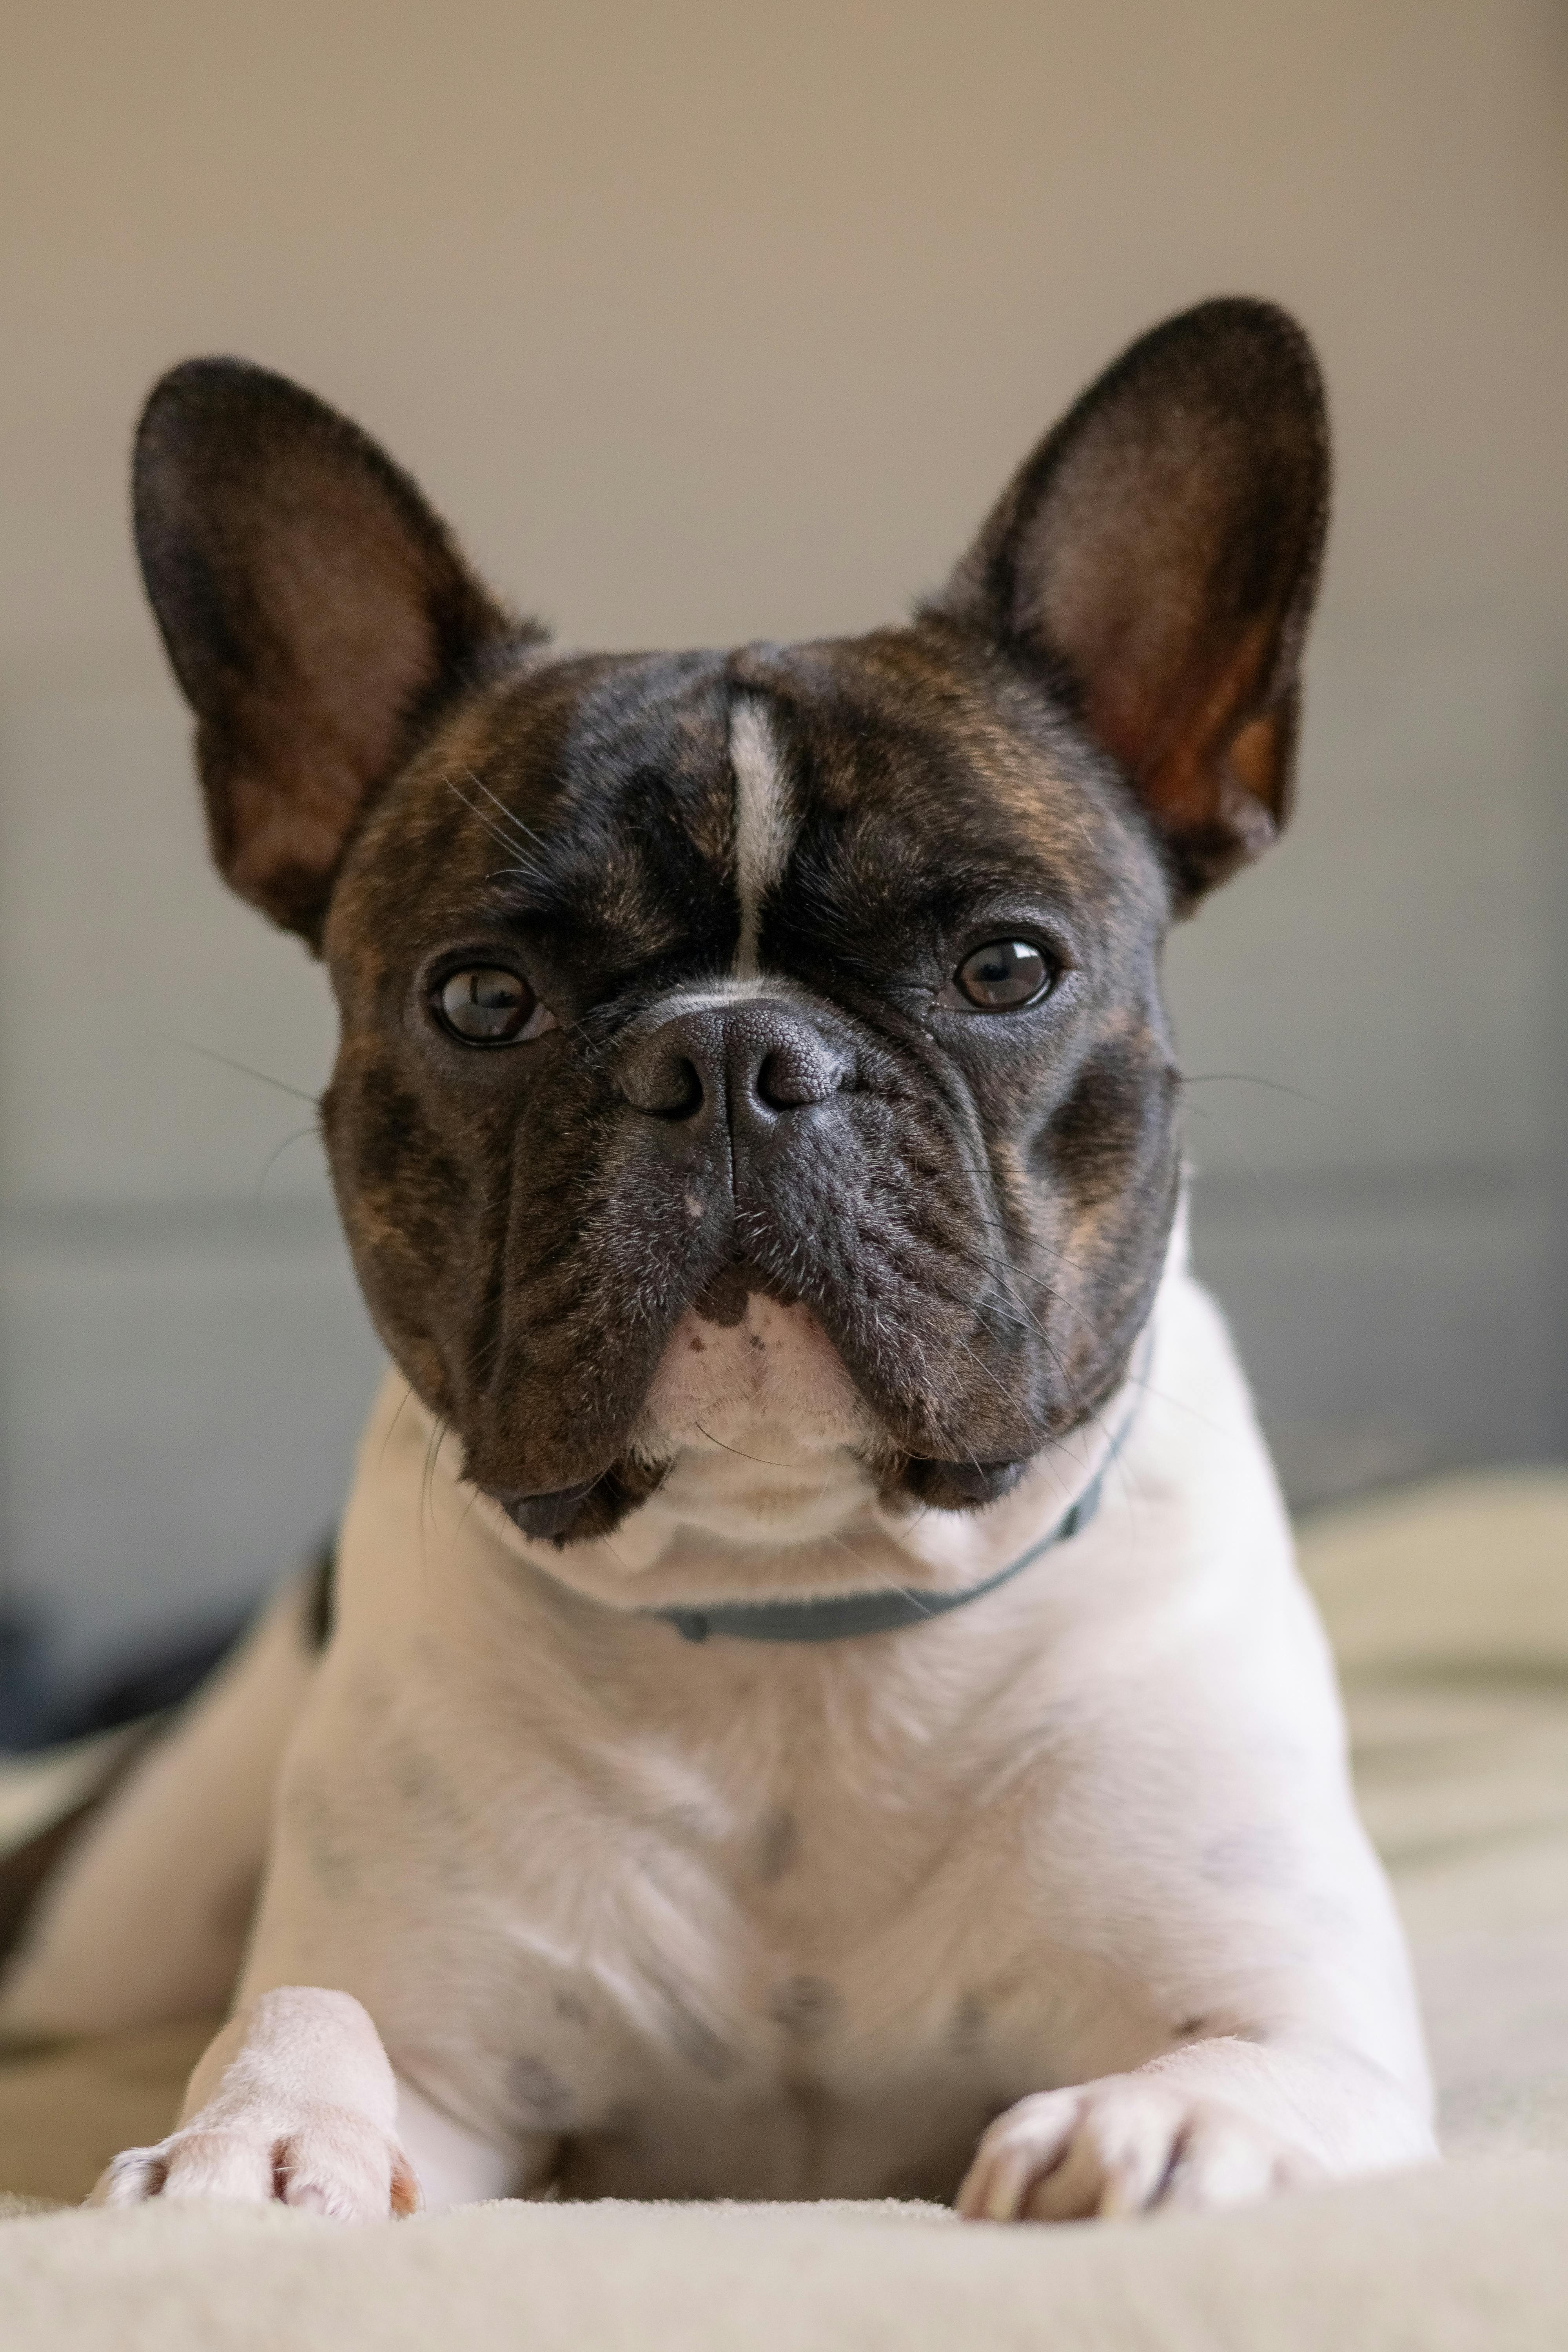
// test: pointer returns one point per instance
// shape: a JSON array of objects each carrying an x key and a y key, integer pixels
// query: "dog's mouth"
[
  {"x": 749, "y": 1372},
  {"x": 550, "y": 1518}
]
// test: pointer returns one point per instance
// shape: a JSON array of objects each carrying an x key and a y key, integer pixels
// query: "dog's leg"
[
  {"x": 296, "y": 2103},
  {"x": 455, "y": 2166},
  {"x": 294, "y": 2100},
  {"x": 144, "y": 1917},
  {"x": 1212, "y": 1819},
  {"x": 1253, "y": 1914},
  {"x": 1221, "y": 2122}
]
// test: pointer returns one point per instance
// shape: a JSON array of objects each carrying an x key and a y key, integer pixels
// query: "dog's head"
[{"x": 795, "y": 1009}]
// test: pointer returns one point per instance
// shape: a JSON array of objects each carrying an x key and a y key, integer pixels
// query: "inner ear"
[
  {"x": 316, "y": 611},
  {"x": 1156, "y": 561}
]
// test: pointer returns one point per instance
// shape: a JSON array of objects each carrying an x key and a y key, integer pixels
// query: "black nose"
[{"x": 753, "y": 1063}]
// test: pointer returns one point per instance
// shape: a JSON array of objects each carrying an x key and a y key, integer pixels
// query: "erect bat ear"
[
  {"x": 316, "y": 612},
  {"x": 1155, "y": 561}
]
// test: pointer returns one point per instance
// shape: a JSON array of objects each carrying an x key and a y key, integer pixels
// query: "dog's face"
[{"x": 825, "y": 975}]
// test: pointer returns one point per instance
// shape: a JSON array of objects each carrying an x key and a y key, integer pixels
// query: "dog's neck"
[{"x": 756, "y": 1511}]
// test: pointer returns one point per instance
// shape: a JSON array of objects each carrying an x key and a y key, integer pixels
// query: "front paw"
[
  {"x": 1124, "y": 2144},
  {"x": 331, "y": 2161}
]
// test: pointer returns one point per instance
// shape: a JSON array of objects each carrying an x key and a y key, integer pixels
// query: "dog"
[{"x": 813, "y": 1697}]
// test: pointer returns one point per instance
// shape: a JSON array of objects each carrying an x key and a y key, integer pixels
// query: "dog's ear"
[
  {"x": 1156, "y": 559},
  {"x": 315, "y": 610}
]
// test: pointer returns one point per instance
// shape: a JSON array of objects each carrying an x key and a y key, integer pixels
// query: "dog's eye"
[
  {"x": 1002, "y": 976},
  {"x": 489, "y": 1006}
]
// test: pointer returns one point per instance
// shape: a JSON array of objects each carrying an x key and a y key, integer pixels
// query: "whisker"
[
  {"x": 760, "y": 1459},
  {"x": 493, "y": 829},
  {"x": 265, "y": 1077},
  {"x": 510, "y": 816},
  {"x": 438, "y": 1428},
  {"x": 298, "y": 1136},
  {"x": 1250, "y": 1079}
]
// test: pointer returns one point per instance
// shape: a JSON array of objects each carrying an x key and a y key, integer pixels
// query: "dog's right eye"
[
  {"x": 1004, "y": 976},
  {"x": 489, "y": 1006}
]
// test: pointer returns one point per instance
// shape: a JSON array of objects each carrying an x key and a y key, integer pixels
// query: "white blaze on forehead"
[{"x": 764, "y": 821}]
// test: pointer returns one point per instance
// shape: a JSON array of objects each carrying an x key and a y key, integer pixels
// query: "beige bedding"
[{"x": 1449, "y": 1609}]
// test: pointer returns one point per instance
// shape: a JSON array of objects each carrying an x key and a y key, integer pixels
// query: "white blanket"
[{"x": 1449, "y": 1610}]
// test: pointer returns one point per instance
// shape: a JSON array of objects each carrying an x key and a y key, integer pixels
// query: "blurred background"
[{"x": 705, "y": 324}]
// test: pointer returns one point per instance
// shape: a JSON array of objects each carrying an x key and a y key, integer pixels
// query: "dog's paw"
[
  {"x": 330, "y": 2162},
  {"x": 1124, "y": 2145}
]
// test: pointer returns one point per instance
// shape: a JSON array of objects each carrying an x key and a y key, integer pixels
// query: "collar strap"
[{"x": 887, "y": 1610}]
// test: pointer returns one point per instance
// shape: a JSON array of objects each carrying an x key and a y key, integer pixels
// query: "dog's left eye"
[
  {"x": 1000, "y": 977},
  {"x": 489, "y": 1006}
]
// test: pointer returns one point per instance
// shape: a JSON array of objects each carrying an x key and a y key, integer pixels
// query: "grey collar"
[{"x": 887, "y": 1609}]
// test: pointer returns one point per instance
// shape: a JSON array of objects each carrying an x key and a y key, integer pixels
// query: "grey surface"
[
  {"x": 184, "y": 1361},
  {"x": 180, "y": 1397},
  {"x": 1374, "y": 1022}
]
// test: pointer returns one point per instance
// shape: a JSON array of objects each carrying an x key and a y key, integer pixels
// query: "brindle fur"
[{"x": 1094, "y": 724}]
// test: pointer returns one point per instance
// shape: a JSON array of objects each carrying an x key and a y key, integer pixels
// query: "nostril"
[
  {"x": 683, "y": 1091},
  {"x": 759, "y": 1059},
  {"x": 777, "y": 1085},
  {"x": 665, "y": 1086},
  {"x": 796, "y": 1074}
]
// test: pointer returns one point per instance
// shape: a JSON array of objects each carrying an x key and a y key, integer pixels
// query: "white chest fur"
[{"x": 755, "y": 1919}]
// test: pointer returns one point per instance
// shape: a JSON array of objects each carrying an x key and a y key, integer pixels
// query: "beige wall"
[{"x": 707, "y": 322}]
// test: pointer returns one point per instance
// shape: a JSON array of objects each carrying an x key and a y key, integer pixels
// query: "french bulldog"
[{"x": 814, "y": 1699}]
